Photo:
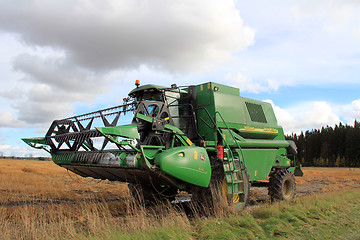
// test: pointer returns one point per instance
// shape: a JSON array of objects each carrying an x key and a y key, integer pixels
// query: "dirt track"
[{"x": 317, "y": 180}]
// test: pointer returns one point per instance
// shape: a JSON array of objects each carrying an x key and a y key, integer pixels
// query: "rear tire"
[{"x": 282, "y": 185}]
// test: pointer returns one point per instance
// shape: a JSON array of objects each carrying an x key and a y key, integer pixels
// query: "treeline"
[
  {"x": 329, "y": 147},
  {"x": 26, "y": 158}
]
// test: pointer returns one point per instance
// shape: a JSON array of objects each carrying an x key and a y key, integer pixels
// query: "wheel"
[
  {"x": 282, "y": 185},
  {"x": 216, "y": 193},
  {"x": 238, "y": 198},
  {"x": 144, "y": 195}
]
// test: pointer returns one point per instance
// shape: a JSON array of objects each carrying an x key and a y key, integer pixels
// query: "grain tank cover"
[
  {"x": 235, "y": 109},
  {"x": 250, "y": 117}
]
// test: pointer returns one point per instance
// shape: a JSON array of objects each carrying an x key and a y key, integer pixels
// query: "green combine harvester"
[{"x": 195, "y": 139}]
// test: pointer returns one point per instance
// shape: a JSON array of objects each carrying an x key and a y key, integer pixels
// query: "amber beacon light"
[{"x": 137, "y": 83}]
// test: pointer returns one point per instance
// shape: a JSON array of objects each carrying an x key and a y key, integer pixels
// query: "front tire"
[
  {"x": 238, "y": 201},
  {"x": 216, "y": 193},
  {"x": 282, "y": 185}
]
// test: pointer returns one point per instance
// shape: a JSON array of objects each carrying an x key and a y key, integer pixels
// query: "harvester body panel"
[{"x": 190, "y": 164}]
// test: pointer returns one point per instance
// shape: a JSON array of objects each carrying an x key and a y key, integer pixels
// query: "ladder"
[{"x": 234, "y": 169}]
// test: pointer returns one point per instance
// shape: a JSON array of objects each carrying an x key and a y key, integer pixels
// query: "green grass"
[{"x": 325, "y": 216}]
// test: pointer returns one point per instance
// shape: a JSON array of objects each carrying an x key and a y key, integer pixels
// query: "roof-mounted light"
[{"x": 137, "y": 83}]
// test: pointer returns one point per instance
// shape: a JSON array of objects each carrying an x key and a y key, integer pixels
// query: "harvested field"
[
  {"x": 328, "y": 179},
  {"x": 317, "y": 180},
  {"x": 44, "y": 181},
  {"x": 40, "y": 200},
  {"x": 24, "y": 181}
]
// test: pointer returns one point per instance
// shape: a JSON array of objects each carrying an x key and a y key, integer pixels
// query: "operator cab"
[{"x": 167, "y": 106}]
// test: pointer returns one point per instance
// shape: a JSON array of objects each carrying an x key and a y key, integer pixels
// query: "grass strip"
[{"x": 321, "y": 216}]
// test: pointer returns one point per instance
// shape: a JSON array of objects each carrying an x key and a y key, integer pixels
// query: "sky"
[{"x": 61, "y": 58}]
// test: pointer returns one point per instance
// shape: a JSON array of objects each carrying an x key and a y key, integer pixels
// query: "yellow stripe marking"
[{"x": 262, "y": 130}]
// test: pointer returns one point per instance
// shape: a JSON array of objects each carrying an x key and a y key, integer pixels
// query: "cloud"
[
  {"x": 8, "y": 150},
  {"x": 8, "y": 119},
  {"x": 318, "y": 45},
  {"x": 105, "y": 35},
  {"x": 314, "y": 115},
  {"x": 12, "y": 94},
  {"x": 59, "y": 75},
  {"x": 284, "y": 118},
  {"x": 45, "y": 112},
  {"x": 306, "y": 116},
  {"x": 336, "y": 15},
  {"x": 320, "y": 114},
  {"x": 73, "y": 48},
  {"x": 55, "y": 86},
  {"x": 356, "y": 34},
  {"x": 356, "y": 109},
  {"x": 256, "y": 86},
  {"x": 41, "y": 104}
]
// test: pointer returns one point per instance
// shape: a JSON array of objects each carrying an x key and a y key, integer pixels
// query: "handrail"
[
  {"x": 242, "y": 154},
  {"x": 218, "y": 130}
]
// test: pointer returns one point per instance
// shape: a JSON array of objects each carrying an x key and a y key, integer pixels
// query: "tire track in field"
[{"x": 29, "y": 203}]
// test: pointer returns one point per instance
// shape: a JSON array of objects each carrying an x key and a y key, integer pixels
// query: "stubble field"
[{"x": 40, "y": 200}]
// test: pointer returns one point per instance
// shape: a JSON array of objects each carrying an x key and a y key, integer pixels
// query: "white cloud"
[
  {"x": 8, "y": 150},
  {"x": 356, "y": 109},
  {"x": 302, "y": 47},
  {"x": 356, "y": 34},
  {"x": 336, "y": 15},
  {"x": 284, "y": 118},
  {"x": 12, "y": 94},
  {"x": 7, "y": 119},
  {"x": 320, "y": 114},
  {"x": 255, "y": 86},
  {"x": 330, "y": 9},
  {"x": 307, "y": 116}
]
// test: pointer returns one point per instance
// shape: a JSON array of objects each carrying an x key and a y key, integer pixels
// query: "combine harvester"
[{"x": 194, "y": 139}]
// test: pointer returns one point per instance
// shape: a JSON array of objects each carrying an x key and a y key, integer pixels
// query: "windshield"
[{"x": 150, "y": 95}]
